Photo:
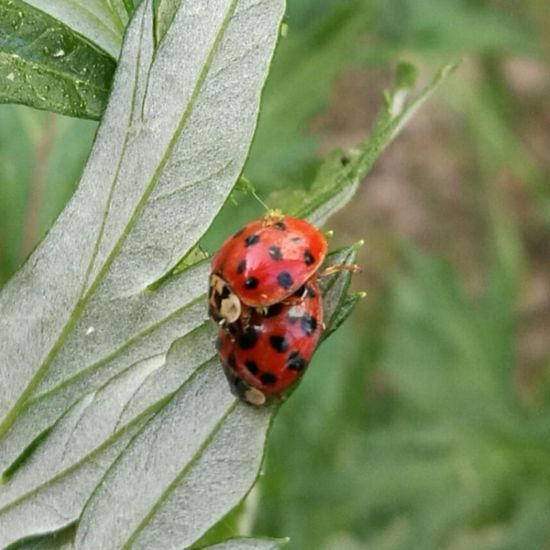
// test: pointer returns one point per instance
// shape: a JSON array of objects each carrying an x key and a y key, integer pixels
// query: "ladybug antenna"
[
  {"x": 244, "y": 185},
  {"x": 256, "y": 196}
]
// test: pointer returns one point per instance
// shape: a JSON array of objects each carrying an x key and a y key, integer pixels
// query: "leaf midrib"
[
  {"x": 81, "y": 304},
  {"x": 152, "y": 410},
  {"x": 49, "y": 69},
  {"x": 176, "y": 481},
  {"x": 101, "y": 362}
]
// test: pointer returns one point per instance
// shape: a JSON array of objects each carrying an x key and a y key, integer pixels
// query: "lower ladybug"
[{"x": 267, "y": 350}]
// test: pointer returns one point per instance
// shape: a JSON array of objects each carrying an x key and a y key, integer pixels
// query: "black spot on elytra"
[
  {"x": 251, "y": 283},
  {"x": 252, "y": 240},
  {"x": 241, "y": 267},
  {"x": 292, "y": 319},
  {"x": 274, "y": 310},
  {"x": 280, "y": 226},
  {"x": 248, "y": 339},
  {"x": 275, "y": 253},
  {"x": 268, "y": 379},
  {"x": 308, "y": 257},
  {"x": 231, "y": 361},
  {"x": 285, "y": 279},
  {"x": 295, "y": 362},
  {"x": 278, "y": 343},
  {"x": 238, "y": 233},
  {"x": 308, "y": 324},
  {"x": 296, "y": 239},
  {"x": 252, "y": 367}
]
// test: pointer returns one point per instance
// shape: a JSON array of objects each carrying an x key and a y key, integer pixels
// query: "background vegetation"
[{"x": 425, "y": 421}]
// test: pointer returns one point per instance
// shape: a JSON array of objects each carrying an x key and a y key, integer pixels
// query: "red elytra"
[
  {"x": 267, "y": 351},
  {"x": 270, "y": 258}
]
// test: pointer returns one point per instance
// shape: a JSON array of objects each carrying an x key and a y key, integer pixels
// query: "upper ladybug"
[{"x": 267, "y": 261}]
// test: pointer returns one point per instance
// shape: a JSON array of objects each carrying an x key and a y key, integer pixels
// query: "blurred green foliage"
[
  {"x": 41, "y": 157},
  {"x": 424, "y": 421}
]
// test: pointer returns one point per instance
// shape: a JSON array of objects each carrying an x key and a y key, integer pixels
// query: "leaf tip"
[{"x": 406, "y": 75}]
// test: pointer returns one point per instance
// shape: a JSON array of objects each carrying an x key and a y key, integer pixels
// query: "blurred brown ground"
[{"x": 424, "y": 187}]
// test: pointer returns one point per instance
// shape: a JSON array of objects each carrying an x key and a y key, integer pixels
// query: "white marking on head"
[
  {"x": 255, "y": 397},
  {"x": 230, "y": 308}
]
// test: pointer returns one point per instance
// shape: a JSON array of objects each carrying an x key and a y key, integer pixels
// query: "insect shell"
[
  {"x": 268, "y": 349},
  {"x": 264, "y": 296}
]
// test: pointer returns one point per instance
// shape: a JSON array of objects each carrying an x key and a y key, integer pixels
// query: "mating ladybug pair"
[{"x": 265, "y": 298}]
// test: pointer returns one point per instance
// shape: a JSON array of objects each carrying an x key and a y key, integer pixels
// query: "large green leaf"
[
  {"x": 163, "y": 162},
  {"x": 102, "y": 22},
  {"x": 100, "y": 365},
  {"x": 55, "y": 481},
  {"x": 45, "y": 64}
]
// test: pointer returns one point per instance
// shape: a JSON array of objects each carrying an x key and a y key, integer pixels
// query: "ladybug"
[
  {"x": 267, "y": 350},
  {"x": 262, "y": 264}
]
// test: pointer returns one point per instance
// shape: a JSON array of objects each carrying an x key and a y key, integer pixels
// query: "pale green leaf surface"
[
  {"x": 193, "y": 468},
  {"x": 102, "y": 181},
  {"x": 135, "y": 187},
  {"x": 214, "y": 468},
  {"x": 92, "y": 428},
  {"x": 166, "y": 10},
  {"x": 100, "y": 21},
  {"x": 89, "y": 302},
  {"x": 46, "y": 65},
  {"x": 55, "y": 504}
]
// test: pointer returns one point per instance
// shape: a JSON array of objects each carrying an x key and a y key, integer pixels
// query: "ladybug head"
[{"x": 224, "y": 305}]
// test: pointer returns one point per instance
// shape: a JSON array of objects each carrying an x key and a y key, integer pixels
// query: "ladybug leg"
[
  {"x": 301, "y": 294},
  {"x": 332, "y": 269}
]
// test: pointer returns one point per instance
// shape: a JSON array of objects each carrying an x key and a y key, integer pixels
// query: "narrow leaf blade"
[
  {"x": 134, "y": 188},
  {"x": 90, "y": 436},
  {"x": 171, "y": 144},
  {"x": 340, "y": 175},
  {"x": 249, "y": 544},
  {"x": 213, "y": 457}
]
